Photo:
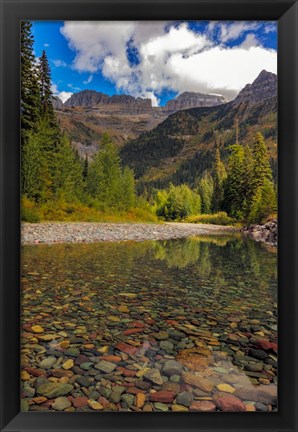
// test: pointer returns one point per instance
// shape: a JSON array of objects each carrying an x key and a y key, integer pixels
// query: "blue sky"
[{"x": 156, "y": 59}]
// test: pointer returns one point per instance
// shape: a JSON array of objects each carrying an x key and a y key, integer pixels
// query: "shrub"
[{"x": 220, "y": 218}]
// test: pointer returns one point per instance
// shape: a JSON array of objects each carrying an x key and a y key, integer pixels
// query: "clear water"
[{"x": 215, "y": 297}]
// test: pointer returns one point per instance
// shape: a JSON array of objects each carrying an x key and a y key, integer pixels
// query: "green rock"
[
  {"x": 47, "y": 363},
  {"x": 175, "y": 378},
  {"x": 154, "y": 376},
  {"x": 52, "y": 390},
  {"x": 86, "y": 366},
  {"x": 104, "y": 366},
  {"x": 61, "y": 403},
  {"x": 160, "y": 406},
  {"x": 172, "y": 367},
  {"x": 128, "y": 398},
  {"x": 166, "y": 346},
  {"x": 72, "y": 352},
  {"x": 24, "y": 405}
]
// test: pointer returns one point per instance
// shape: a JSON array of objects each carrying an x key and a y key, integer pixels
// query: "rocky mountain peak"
[
  {"x": 92, "y": 98},
  {"x": 263, "y": 87},
  {"x": 194, "y": 100}
]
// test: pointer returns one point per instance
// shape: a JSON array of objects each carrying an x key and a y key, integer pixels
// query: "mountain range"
[
  {"x": 182, "y": 147},
  {"x": 86, "y": 115},
  {"x": 175, "y": 143}
]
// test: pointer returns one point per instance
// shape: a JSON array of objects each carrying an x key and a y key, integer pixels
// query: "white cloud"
[
  {"x": 270, "y": 27},
  {"x": 71, "y": 86},
  {"x": 64, "y": 95},
  {"x": 233, "y": 30},
  {"x": 170, "y": 56},
  {"x": 46, "y": 45},
  {"x": 61, "y": 95},
  {"x": 250, "y": 41},
  {"x": 88, "y": 80},
  {"x": 59, "y": 63}
]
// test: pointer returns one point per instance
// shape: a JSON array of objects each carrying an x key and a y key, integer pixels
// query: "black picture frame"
[{"x": 286, "y": 12}]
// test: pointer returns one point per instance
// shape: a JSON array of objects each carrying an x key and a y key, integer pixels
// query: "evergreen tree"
[
  {"x": 205, "y": 189},
  {"x": 235, "y": 182},
  {"x": 263, "y": 202},
  {"x": 31, "y": 167},
  {"x": 30, "y": 95},
  {"x": 68, "y": 177},
  {"x": 85, "y": 167},
  {"x": 45, "y": 91},
  {"x": 104, "y": 176},
  {"x": 248, "y": 167},
  {"x": 128, "y": 195},
  {"x": 262, "y": 169},
  {"x": 219, "y": 176}
]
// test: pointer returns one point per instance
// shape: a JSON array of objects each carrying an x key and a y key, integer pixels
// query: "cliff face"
[
  {"x": 194, "y": 100},
  {"x": 92, "y": 98},
  {"x": 263, "y": 87},
  {"x": 57, "y": 103}
]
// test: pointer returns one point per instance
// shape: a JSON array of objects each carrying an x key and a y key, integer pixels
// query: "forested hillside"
[{"x": 182, "y": 148}]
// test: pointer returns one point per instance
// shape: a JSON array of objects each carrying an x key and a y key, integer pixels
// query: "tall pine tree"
[
  {"x": 219, "y": 176},
  {"x": 30, "y": 92}
]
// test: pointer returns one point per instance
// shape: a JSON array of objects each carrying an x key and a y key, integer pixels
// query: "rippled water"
[{"x": 209, "y": 303}]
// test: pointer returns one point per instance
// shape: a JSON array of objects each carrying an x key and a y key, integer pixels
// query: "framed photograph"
[{"x": 148, "y": 216}]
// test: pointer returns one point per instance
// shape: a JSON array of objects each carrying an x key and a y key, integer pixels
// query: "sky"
[{"x": 155, "y": 59}]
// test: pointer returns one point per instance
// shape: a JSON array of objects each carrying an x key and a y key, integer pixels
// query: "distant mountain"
[
  {"x": 263, "y": 87},
  {"x": 92, "y": 98},
  {"x": 182, "y": 147},
  {"x": 57, "y": 103},
  {"x": 86, "y": 115},
  {"x": 193, "y": 100}
]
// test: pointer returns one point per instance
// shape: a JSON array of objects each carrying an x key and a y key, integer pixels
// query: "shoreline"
[{"x": 90, "y": 232}]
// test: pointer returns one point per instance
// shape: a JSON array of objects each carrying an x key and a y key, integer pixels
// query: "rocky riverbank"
[
  {"x": 73, "y": 232},
  {"x": 266, "y": 233}
]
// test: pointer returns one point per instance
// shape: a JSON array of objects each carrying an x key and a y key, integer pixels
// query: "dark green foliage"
[
  {"x": 30, "y": 94},
  {"x": 235, "y": 182},
  {"x": 85, "y": 167},
  {"x": 263, "y": 203},
  {"x": 106, "y": 182},
  {"x": 46, "y": 95},
  {"x": 219, "y": 176},
  {"x": 261, "y": 169},
  {"x": 249, "y": 189}
]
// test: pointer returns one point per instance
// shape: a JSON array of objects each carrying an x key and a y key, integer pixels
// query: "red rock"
[
  {"x": 59, "y": 373},
  {"x": 102, "y": 400},
  {"x": 127, "y": 372},
  {"x": 36, "y": 372},
  {"x": 111, "y": 358},
  {"x": 163, "y": 396},
  {"x": 80, "y": 401},
  {"x": 202, "y": 406},
  {"x": 150, "y": 321},
  {"x": 266, "y": 345},
  {"x": 128, "y": 349},
  {"x": 81, "y": 359},
  {"x": 172, "y": 322},
  {"x": 229, "y": 403},
  {"x": 132, "y": 331},
  {"x": 48, "y": 403},
  {"x": 138, "y": 324}
]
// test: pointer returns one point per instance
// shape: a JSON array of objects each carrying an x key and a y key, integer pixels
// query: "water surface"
[{"x": 103, "y": 323}]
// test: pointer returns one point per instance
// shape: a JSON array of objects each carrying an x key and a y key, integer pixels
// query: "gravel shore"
[{"x": 73, "y": 232}]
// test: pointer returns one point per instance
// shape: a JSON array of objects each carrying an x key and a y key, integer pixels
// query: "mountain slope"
[
  {"x": 182, "y": 147},
  {"x": 86, "y": 115}
]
